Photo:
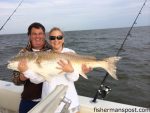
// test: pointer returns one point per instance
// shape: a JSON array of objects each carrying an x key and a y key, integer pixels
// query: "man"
[{"x": 31, "y": 94}]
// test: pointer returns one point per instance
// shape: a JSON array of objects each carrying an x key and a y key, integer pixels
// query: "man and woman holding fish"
[
  {"x": 36, "y": 67},
  {"x": 33, "y": 86}
]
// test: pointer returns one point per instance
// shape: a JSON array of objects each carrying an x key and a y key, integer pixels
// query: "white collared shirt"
[{"x": 68, "y": 79}]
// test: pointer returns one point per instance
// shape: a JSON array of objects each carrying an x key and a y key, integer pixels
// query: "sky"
[{"x": 72, "y": 15}]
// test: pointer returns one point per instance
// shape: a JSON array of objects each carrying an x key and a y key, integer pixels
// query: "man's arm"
[
  {"x": 28, "y": 74},
  {"x": 18, "y": 78}
]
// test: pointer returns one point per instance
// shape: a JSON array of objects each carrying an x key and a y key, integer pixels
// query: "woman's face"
[{"x": 56, "y": 40}]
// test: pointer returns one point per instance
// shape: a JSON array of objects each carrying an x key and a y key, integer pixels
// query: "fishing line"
[
  {"x": 11, "y": 15},
  {"x": 104, "y": 90}
]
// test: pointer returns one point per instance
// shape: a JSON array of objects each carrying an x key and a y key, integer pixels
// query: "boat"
[{"x": 10, "y": 98}]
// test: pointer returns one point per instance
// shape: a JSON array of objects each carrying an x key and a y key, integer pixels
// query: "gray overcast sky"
[{"x": 72, "y": 14}]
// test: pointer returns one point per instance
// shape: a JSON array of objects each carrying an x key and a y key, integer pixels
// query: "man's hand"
[
  {"x": 22, "y": 66},
  {"x": 65, "y": 66},
  {"x": 86, "y": 69},
  {"x": 22, "y": 77}
]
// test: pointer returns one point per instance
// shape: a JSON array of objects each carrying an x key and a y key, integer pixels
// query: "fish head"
[{"x": 13, "y": 65}]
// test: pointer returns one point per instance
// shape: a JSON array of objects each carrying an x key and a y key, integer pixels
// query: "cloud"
[{"x": 72, "y": 14}]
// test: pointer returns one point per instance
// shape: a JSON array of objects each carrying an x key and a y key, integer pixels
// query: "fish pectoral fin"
[
  {"x": 46, "y": 76},
  {"x": 61, "y": 72},
  {"x": 38, "y": 62},
  {"x": 83, "y": 75}
]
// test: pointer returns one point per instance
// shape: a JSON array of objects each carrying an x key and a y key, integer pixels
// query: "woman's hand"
[
  {"x": 65, "y": 66},
  {"x": 22, "y": 66},
  {"x": 86, "y": 69}
]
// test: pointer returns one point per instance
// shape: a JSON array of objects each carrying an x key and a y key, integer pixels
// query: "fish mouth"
[{"x": 9, "y": 64}]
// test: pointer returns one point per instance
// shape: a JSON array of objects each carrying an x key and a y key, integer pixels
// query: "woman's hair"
[{"x": 56, "y": 29}]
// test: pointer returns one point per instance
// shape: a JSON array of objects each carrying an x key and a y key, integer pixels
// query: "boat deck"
[{"x": 10, "y": 98}]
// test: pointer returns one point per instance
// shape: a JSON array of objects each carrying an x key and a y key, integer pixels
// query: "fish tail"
[{"x": 110, "y": 66}]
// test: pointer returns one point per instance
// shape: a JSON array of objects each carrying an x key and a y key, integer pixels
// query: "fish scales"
[{"x": 45, "y": 63}]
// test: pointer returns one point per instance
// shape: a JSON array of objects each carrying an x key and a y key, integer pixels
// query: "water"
[{"x": 133, "y": 86}]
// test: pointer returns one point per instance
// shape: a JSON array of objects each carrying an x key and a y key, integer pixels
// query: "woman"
[{"x": 56, "y": 39}]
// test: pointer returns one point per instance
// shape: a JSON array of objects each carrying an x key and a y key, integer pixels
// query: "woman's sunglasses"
[{"x": 54, "y": 37}]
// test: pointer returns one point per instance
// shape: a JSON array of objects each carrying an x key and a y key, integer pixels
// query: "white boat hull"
[{"x": 10, "y": 98}]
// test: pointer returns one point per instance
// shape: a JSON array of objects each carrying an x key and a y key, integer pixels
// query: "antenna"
[
  {"x": 104, "y": 90},
  {"x": 11, "y": 15}
]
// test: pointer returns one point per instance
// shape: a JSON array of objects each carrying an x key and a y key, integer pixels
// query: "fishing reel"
[{"x": 102, "y": 91}]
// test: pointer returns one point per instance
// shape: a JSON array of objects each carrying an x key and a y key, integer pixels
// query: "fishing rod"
[
  {"x": 11, "y": 15},
  {"x": 104, "y": 90}
]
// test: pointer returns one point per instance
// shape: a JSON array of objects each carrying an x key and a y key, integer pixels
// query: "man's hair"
[{"x": 35, "y": 25}]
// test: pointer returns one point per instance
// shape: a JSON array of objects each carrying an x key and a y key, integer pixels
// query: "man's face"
[{"x": 37, "y": 38}]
